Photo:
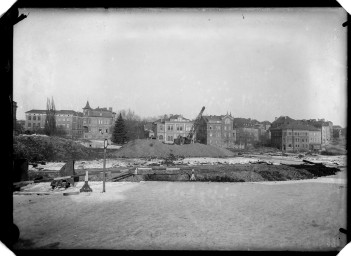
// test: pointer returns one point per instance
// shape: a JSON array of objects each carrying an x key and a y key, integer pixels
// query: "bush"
[{"x": 45, "y": 148}]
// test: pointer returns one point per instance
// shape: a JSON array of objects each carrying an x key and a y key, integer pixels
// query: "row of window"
[
  {"x": 178, "y": 127},
  {"x": 296, "y": 146},
  {"x": 100, "y": 121},
  {"x": 34, "y": 117}
]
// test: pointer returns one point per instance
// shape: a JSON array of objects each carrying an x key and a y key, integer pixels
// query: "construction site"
[{"x": 151, "y": 195}]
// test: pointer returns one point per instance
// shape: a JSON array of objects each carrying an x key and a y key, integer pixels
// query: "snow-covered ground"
[
  {"x": 276, "y": 160},
  {"x": 302, "y": 215}
]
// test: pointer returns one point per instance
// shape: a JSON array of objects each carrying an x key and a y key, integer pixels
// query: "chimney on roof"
[{"x": 110, "y": 109}]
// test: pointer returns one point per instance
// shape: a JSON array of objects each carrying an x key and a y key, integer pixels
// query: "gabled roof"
[
  {"x": 163, "y": 120},
  {"x": 176, "y": 117}
]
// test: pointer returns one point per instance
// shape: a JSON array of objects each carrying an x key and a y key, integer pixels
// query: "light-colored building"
[
  {"x": 97, "y": 122},
  {"x": 168, "y": 129}
]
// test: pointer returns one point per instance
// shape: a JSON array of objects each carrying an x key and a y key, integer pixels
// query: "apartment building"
[
  {"x": 167, "y": 129},
  {"x": 295, "y": 137},
  {"x": 70, "y": 121},
  {"x": 247, "y": 131},
  {"x": 97, "y": 122},
  {"x": 217, "y": 131},
  {"x": 326, "y": 128}
]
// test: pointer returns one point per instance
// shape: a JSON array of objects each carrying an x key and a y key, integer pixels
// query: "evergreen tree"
[{"x": 119, "y": 134}]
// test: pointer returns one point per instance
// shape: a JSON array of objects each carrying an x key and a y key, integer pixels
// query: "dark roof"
[
  {"x": 162, "y": 120},
  {"x": 296, "y": 126},
  {"x": 87, "y": 106},
  {"x": 36, "y": 111},
  {"x": 283, "y": 119},
  {"x": 66, "y": 112},
  {"x": 58, "y": 112},
  {"x": 176, "y": 117},
  {"x": 244, "y": 122},
  {"x": 212, "y": 118}
]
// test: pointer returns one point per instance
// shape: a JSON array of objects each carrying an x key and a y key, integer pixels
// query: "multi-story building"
[
  {"x": 97, "y": 122},
  {"x": 217, "y": 131},
  {"x": 68, "y": 120},
  {"x": 326, "y": 128},
  {"x": 247, "y": 131},
  {"x": 295, "y": 136},
  {"x": 168, "y": 129},
  {"x": 315, "y": 139}
]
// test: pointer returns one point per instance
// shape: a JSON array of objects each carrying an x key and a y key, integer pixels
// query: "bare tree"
[{"x": 50, "y": 121}]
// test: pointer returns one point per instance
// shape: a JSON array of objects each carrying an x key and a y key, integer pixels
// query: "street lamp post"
[{"x": 104, "y": 178}]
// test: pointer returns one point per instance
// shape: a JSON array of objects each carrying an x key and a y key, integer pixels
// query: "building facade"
[
  {"x": 248, "y": 131},
  {"x": 68, "y": 120},
  {"x": 168, "y": 129},
  {"x": 326, "y": 128},
  {"x": 295, "y": 137},
  {"x": 97, "y": 122},
  {"x": 217, "y": 131}
]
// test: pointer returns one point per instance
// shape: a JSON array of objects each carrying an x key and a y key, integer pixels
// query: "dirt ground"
[{"x": 292, "y": 215}]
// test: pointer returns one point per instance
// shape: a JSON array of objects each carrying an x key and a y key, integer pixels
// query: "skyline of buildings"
[{"x": 285, "y": 133}]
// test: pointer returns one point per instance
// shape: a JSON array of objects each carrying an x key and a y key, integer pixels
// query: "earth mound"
[{"x": 152, "y": 148}]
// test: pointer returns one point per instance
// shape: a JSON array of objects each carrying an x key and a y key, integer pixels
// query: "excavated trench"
[
  {"x": 207, "y": 173},
  {"x": 236, "y": 173}
]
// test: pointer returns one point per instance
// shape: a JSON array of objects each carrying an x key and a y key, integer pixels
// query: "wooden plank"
[{"x": 63, "y": 178}]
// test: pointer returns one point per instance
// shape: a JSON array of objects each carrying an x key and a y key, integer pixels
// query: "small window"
[
  {"x": 34, "y": 118},
  {"x": 38, "y": 118},
  {"x": 29, "y": 118},
  {"x": 160, "y": 137}
]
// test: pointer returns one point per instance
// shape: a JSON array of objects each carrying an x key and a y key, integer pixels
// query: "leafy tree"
[
  {"x": 50, "y": 121},
  {"x": 119, "y": 134}
]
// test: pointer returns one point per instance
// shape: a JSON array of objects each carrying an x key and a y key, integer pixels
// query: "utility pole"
[{"x": 104, "y": 165}]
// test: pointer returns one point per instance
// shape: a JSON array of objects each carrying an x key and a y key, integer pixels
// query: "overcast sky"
[{"x": 257, "y": 63}]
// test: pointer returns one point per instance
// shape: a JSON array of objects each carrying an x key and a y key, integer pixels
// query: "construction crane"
[{"x": 190, "y": 138}]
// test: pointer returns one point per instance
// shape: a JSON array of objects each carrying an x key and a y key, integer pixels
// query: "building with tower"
[{"x": 97, "y": 122}]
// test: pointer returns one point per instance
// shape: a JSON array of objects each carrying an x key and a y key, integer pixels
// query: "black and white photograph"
[{"x": 180, "y": 129}]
